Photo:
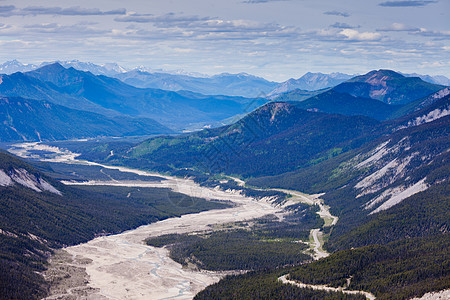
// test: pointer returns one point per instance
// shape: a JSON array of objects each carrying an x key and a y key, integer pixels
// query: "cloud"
[
  {"x": 343, "y": 35},
  {"x": 260, "y": 1},
  {"x": 4, "y": 26},
  {"x": 11, "y": 10},
  {"x": 406, "y": 3},
  {"x": 6, "y": 10},
  {"x": 354, "y": 35},
  {"x": 166, "y": 18},
  {"x": 71, "y": 11},
  {"x": 203, "y": 28},
  {"x": 343, "y": 25},
  {"x": 337, "y": 13},
  {"x": 54, "y": 29},
  {"x": 437, "y": 35},
  {"x": 399, "y": 27}
]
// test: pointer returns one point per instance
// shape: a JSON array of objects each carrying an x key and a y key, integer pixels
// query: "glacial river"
[{"x": 121, "y": 266}]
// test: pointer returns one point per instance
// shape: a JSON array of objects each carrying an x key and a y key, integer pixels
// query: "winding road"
[
  {"x": 316, "y": 236},
  {"x": 284, "y": 280},
  {"x": 324, "y": 212}
]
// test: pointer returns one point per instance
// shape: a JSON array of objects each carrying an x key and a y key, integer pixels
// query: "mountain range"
[
  {"x": 280, "y": 137},
  {"x": 223, "y": 84},
  {"x": 108, "y": 69},
  {"x": 277, "y": 137},
  {"x": 242, "y": 84},
  {"x": 311, "y": 82},
  {"x": 387, "y": 86},
  {"x": 112, "y": 98},
  {"x": 381, "y": 95},
  {"x": 139, "y": 111}
]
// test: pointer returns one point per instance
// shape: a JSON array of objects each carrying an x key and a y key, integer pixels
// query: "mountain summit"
[
  {"x": 310, "y": 82},
  {"x": 388, "y": 86}
]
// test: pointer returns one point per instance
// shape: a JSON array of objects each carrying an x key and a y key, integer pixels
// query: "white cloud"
[
  {"x": 11, "y": 10},
  {"x": 71, "y": 11},
  {"x": 343, "y": 25},
  {"x": 440, "y": 35},
  {"x": 337, "y": 13},
  {"x": 398, "y": 27},
  {"x": 344, "y": 35},
  {"x": 261, "y": 1},
  {"x": 406, "y": 3},
  {"x": 355, "y": 35}
]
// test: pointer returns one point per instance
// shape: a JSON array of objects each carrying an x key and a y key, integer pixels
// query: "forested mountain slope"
[
  {"x": 274, "y": 139},
  {"x": 32, "y": 120},
  {"x": 346, "y": 104},
  {"x": 109, "y": 96},
  {"x": 409, "y": 165},
  {"x": 392, "y": 199}
]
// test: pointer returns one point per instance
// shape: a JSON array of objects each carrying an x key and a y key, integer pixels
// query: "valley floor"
[{"x": 121, "y": 266}]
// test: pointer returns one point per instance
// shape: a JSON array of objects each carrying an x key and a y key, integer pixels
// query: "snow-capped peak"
[{"x": 14, "y": 66}]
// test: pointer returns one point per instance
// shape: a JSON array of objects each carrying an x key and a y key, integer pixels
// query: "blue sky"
[{"x": 276, "y": 39}]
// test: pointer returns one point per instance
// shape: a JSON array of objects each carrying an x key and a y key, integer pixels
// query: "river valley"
[{"x": 121, "y": 266}]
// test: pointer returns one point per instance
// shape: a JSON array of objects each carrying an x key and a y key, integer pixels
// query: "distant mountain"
[
  {"x": 310, "y": 82},
  {"x": 388, "y": 86},
  {"x": 108, "y": 69},
  {"x": 32, "y": 120},
  {"x": 14, "y": 66},
  {"x": 109, "y": 96},
  {"x": 242, "y": 84},
  {"x": 23, "y": 85},
  {"x": 379, "y": 94},
  {"x": 437, "y": 79},
  {"x": 318, "y": 81},
  {"x": 223, "y": 84}
]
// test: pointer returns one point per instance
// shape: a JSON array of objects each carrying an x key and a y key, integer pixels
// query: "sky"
[{"x": 275, "y": 39}]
